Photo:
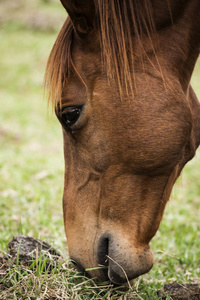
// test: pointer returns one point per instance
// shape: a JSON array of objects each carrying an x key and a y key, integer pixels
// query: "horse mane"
[
  {"x": 59, "y": 63},
  {"x": 119, "y": 24}
]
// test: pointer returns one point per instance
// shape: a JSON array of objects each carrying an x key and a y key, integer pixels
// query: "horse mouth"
[
  {"x": 99, "y": 274},
  {"x": 115, "y": 263}
]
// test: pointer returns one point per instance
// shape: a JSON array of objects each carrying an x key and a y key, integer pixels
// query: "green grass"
[{"x": 31, "y": 181}]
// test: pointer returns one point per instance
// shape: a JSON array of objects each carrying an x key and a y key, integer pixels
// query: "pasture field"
[{"x": 31, "y": 177}]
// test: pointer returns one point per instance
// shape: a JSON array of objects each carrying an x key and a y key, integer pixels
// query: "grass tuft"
[{"x": 62, "y": 282}]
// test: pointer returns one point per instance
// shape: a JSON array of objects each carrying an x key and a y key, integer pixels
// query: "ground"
[{"x": 27, "y": 255}]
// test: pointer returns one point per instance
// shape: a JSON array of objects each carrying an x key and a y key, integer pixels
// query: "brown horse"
[{"x": 119, "y": 77}]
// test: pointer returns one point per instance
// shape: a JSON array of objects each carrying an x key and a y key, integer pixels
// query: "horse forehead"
[
  {"x": 90, "y": 81},
  {"x": 87, "y": 61}
]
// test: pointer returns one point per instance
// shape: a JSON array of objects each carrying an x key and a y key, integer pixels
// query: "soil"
[
  {"x": 178, "y": 291},
  {"x": 24, "y": 250}
]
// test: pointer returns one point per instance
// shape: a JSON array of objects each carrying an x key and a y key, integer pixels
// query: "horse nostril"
[
  {"x": 113, "y": 272},
  {"x": 103, "y": 253}
]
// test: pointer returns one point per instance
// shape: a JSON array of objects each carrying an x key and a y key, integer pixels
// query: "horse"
[{"x": 119, "y": 77}]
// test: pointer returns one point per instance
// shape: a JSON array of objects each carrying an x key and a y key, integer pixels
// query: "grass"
[{"x": 31, "y": 182}]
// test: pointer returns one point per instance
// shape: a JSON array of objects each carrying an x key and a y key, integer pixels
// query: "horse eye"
[{"x": 70, "y": 115}]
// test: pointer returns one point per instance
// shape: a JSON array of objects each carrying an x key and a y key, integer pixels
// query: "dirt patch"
[
  {"x": 178, "y": 291},
  {"x": 28, "y": 264},
  {"x": 26, "y": 249}
]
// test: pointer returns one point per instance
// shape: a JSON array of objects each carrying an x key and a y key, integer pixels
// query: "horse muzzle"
[{"x": 118, "y": 262}]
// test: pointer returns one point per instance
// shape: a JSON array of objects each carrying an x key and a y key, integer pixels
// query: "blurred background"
[{"x": 31, "y": 156}]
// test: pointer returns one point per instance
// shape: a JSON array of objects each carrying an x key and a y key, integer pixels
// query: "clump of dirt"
[
  {"x": 25, "y": 249},
  {"x": 19, "y": 267}
]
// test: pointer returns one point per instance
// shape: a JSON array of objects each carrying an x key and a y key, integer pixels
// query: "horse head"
[{"x": 120, "y": 74}]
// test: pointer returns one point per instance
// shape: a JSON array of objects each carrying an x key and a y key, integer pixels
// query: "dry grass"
[{"x": 63, "y": 282}]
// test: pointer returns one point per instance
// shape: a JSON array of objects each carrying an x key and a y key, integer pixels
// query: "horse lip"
[
  {"x": 117, "y": 278},
  {"x": 78, "y": 266},
  {"x": 91, "y": 272}
]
